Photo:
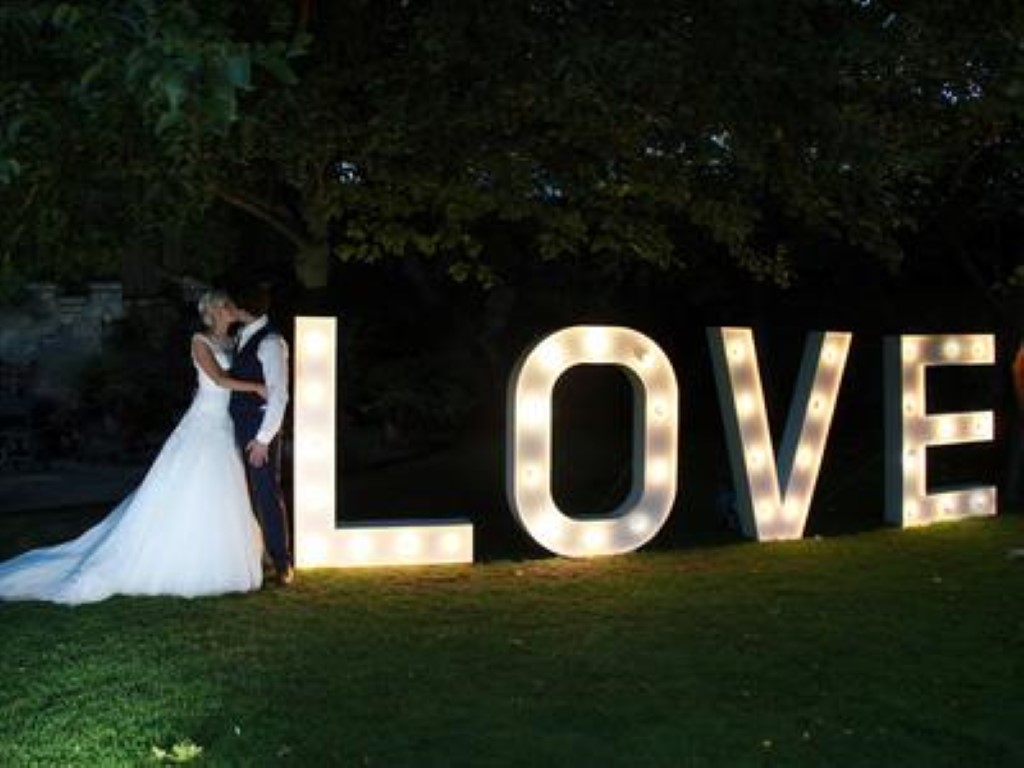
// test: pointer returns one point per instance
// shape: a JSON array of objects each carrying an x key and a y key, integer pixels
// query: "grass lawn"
[{"x": 881, "y": 648}]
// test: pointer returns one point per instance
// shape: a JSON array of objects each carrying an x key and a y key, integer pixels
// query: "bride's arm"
[{"x": 204, "y": 358}]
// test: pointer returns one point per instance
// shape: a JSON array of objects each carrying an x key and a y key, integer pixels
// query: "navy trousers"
[{"x": 265, "y": 491}]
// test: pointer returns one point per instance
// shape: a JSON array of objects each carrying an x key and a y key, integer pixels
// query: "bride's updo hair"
[{"x": 208, "y": 302}]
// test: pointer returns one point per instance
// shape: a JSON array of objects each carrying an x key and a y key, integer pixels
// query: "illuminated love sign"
[
  {"x": 655, "y": 440},
  {"x": 909, "y": 430},
  {"x": 774, "y": 489},
  {"x": 774, "y": 494},
  {"x": 318, "y": 540}
]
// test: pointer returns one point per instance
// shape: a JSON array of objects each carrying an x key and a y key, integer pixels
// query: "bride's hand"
[{"x": 261, "y": 390}]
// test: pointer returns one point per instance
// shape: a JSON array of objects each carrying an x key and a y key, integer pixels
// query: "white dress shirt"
[{"x": 273, "y": 356}]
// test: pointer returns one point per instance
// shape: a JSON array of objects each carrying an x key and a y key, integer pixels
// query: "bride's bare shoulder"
[{"x": 200, "y": 339}]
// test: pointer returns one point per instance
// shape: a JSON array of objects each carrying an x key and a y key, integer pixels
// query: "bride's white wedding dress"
[{"x": 187, "y": 530}]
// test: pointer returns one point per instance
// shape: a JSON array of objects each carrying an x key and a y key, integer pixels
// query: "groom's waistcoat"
[{"x": 247, "y": 367}]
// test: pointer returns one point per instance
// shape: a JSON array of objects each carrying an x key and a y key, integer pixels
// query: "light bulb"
[
  {"x": 946, "y": 429},
  {"x": 595, "y": 538},
  {"x": 804, "y": 458},
  {"x": 551, "y": 355},
  {"x": 450, "y": 544},
  {"x": 362, "y": 546},
  {"x": 911, "y": 351},
  {"x": 597, "y": 342},
  {"x": 315, "y": 343},
  {"x": 658, "y": 471},
  {"x": 639, "y": 524},
  {"x": 314, "y": 393},
  {"x": 745, "y": 404},
  {"x": 534, "y": 411},
  {"x": 409, "y": 544}
]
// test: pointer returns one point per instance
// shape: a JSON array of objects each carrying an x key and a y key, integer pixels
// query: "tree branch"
[
  {"x": 266, "y": 214},
  {"x": 306, "y": 11}
]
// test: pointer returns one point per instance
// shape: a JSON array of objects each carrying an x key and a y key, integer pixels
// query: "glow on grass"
[
  {"x": 774, "y": 496},
  {"x": 319, "y": 540},
  {"x": 910, "y": 430},
  {"x": 655, "y": 441}
]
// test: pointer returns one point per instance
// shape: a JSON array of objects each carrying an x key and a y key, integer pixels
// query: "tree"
[
  {"x": 777, "y": 140},
  {"x": 109, "y": 112},
  {"x": 618, "y": 133}
]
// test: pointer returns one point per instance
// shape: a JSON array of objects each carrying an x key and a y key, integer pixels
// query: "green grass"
[{"x": 883, "y": 648}]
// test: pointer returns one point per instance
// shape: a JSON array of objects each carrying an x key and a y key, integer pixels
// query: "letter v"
[{"x": 773, "y": 498}]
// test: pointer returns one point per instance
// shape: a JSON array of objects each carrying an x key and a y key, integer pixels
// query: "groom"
[{"x": 261, "y": 355}]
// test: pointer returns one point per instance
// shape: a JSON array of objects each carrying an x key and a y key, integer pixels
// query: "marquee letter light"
[
  {"x": 910, "y": 430},
  {"x": 655, "y": 441},
  {"x": 318, "y": 540},
  {"x": 767, "y": 513}
]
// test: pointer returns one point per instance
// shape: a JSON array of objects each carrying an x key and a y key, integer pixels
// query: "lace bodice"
[{"x": 208, "y": 392}]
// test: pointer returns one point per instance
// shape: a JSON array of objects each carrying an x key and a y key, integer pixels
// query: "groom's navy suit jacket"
[{"x": 246, "y": 410}]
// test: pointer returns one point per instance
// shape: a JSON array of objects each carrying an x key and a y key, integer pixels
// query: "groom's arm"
[{"x": 273, "y": 356}]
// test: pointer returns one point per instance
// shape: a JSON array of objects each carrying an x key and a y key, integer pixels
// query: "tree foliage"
[
  {"x": 773, "y": 138},
  {"x": 674, "y": 132},
  {"x": 109, "y": 110}
]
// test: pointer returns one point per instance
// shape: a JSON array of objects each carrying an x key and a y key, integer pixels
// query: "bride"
[{"x": 188, "y": 529}]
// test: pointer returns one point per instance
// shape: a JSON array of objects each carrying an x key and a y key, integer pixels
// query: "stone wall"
[{"x": 53, "y": 333}]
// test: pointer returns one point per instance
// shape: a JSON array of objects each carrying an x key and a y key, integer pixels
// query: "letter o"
[{"x": 655, "y": 441}]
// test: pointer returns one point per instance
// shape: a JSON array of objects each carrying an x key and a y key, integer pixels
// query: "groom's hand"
[{"x": 257, "y": 453}]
